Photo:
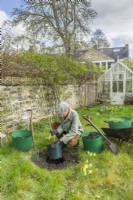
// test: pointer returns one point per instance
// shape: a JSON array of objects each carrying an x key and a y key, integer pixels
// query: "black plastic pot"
[{"x": 56, "y": 152}]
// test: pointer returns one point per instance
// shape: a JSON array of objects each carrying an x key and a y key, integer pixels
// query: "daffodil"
[
  {"x": 90, "y": 165},
  {"x": 50, "y": 137},
  {"x": 86, "y": 166},
  {"x": 91, "y": 154},
  {"x": 90, "y": 171},
  {"x": 85, "y": 174}
]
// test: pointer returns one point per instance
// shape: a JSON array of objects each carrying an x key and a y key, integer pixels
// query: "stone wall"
[{"x": 15, "y": 100}]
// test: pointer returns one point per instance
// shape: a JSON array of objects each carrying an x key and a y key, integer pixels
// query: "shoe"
[{"x": 77, "y": 145}]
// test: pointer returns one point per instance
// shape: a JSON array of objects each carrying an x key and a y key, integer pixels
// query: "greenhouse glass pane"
[
  {"x": 115, "y": 77},
  {"x": 116, "y": 69},
  {"x": 108, "y": 75},
  {"x": 121, "y": 68},
  {"x": 129, "y": 74},
  {"x": 120, "y": 86},
  {"x": 121, "y": 76},
  {"x": 114, "y": 86},
  {"x": 128, "y": 86},
  {"x": 107, "y": 87}
]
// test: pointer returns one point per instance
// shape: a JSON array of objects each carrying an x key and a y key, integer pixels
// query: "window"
[
  {"x": 117, "y": 86},
  {"x": 116, "y": 50}
]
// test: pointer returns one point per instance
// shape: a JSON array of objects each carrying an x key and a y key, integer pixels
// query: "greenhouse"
[{"x": 116, "y": 84}]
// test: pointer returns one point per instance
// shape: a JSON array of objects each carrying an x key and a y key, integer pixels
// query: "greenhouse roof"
[{"x": 118, "y": 67}]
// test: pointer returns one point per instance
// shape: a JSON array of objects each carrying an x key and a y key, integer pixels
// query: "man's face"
[{"x": 64, "y": 115}]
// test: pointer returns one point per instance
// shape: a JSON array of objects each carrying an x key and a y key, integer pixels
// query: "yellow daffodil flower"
[
  {"x": 90, "y": 165},
  {"x": 90, "y": 171},
  {"x": 86, "y": 166}
]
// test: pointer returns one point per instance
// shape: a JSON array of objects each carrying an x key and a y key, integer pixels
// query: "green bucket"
[
  {"x": 22, "y": 140},
  {"x": 94, "y": 145},
  {"x": 120, "y": 122}
]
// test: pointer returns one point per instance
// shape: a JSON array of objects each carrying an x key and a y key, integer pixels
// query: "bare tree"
[
  {"x": 60, "y": 21},
  {"x": 99, "y": 40}
]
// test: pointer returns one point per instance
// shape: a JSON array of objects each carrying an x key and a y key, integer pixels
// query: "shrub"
[{"x": 128, "y": 99}]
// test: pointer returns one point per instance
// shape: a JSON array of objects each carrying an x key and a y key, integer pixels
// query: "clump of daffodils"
[
  {"x": 91, "y": 154},
  {"x": 87, "y": 168},
  {"x": 109, "y": 109}
]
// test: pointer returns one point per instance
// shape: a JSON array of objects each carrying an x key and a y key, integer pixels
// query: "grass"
[{"x": 111, "y": 176}]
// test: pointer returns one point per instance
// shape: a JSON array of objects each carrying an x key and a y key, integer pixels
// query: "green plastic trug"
[
  {"x": 120, "y": 122},
  {"x": 22, "y": 140},
  {"x": 94, "y": 145}
]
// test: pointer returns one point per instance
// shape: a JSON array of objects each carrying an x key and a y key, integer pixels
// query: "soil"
[
  {"x": 92, "y": 136},
  {"x": 43, "y": 161}
]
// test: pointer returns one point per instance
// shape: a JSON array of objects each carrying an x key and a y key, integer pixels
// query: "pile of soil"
[
  {"x": 92, "y": 136},
  {"x": 43, "y": 161}
]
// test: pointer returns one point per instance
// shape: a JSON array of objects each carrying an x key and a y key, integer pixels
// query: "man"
[{"x": 69, "y": 129}]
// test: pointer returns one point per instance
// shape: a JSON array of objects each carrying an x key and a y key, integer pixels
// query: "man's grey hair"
[{"x": 62, "y": 107}]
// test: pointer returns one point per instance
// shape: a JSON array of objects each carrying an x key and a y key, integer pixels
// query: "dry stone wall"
[{"x": 15, "y": 100}]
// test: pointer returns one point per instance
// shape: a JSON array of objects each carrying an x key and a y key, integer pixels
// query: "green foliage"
[
  {"x": 128, "y": 62},
  {"x": 110, "y": 109},
  {"x": 128, "y": 99},
  {"x": 53, "y": 70},
  {"x": 95, "y": 70}
]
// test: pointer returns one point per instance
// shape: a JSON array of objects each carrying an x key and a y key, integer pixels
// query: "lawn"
[{"x": 108, "y": 176}]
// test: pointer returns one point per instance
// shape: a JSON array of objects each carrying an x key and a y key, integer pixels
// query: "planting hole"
[
  {"x": 57, "y": 161},
  {"x": 43, "y": 160}
]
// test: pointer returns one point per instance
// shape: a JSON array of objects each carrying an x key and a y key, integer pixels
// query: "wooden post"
[
  {"x": 94, "y": 79},
  {"x": 85, "y": 94}
]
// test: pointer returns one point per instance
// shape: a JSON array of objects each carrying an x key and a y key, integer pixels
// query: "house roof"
[
  {"x": 116, "y": 52},
  {"x": 94, "y": 55}
]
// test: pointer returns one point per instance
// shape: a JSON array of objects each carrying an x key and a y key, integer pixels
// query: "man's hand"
[
  {"x": 53, "y": 145},
  {"x": 53, "y": 132},
  {"x": 74, "y": 140}
]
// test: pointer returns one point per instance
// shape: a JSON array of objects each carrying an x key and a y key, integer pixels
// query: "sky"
[{"x": 115, "y": 19}]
